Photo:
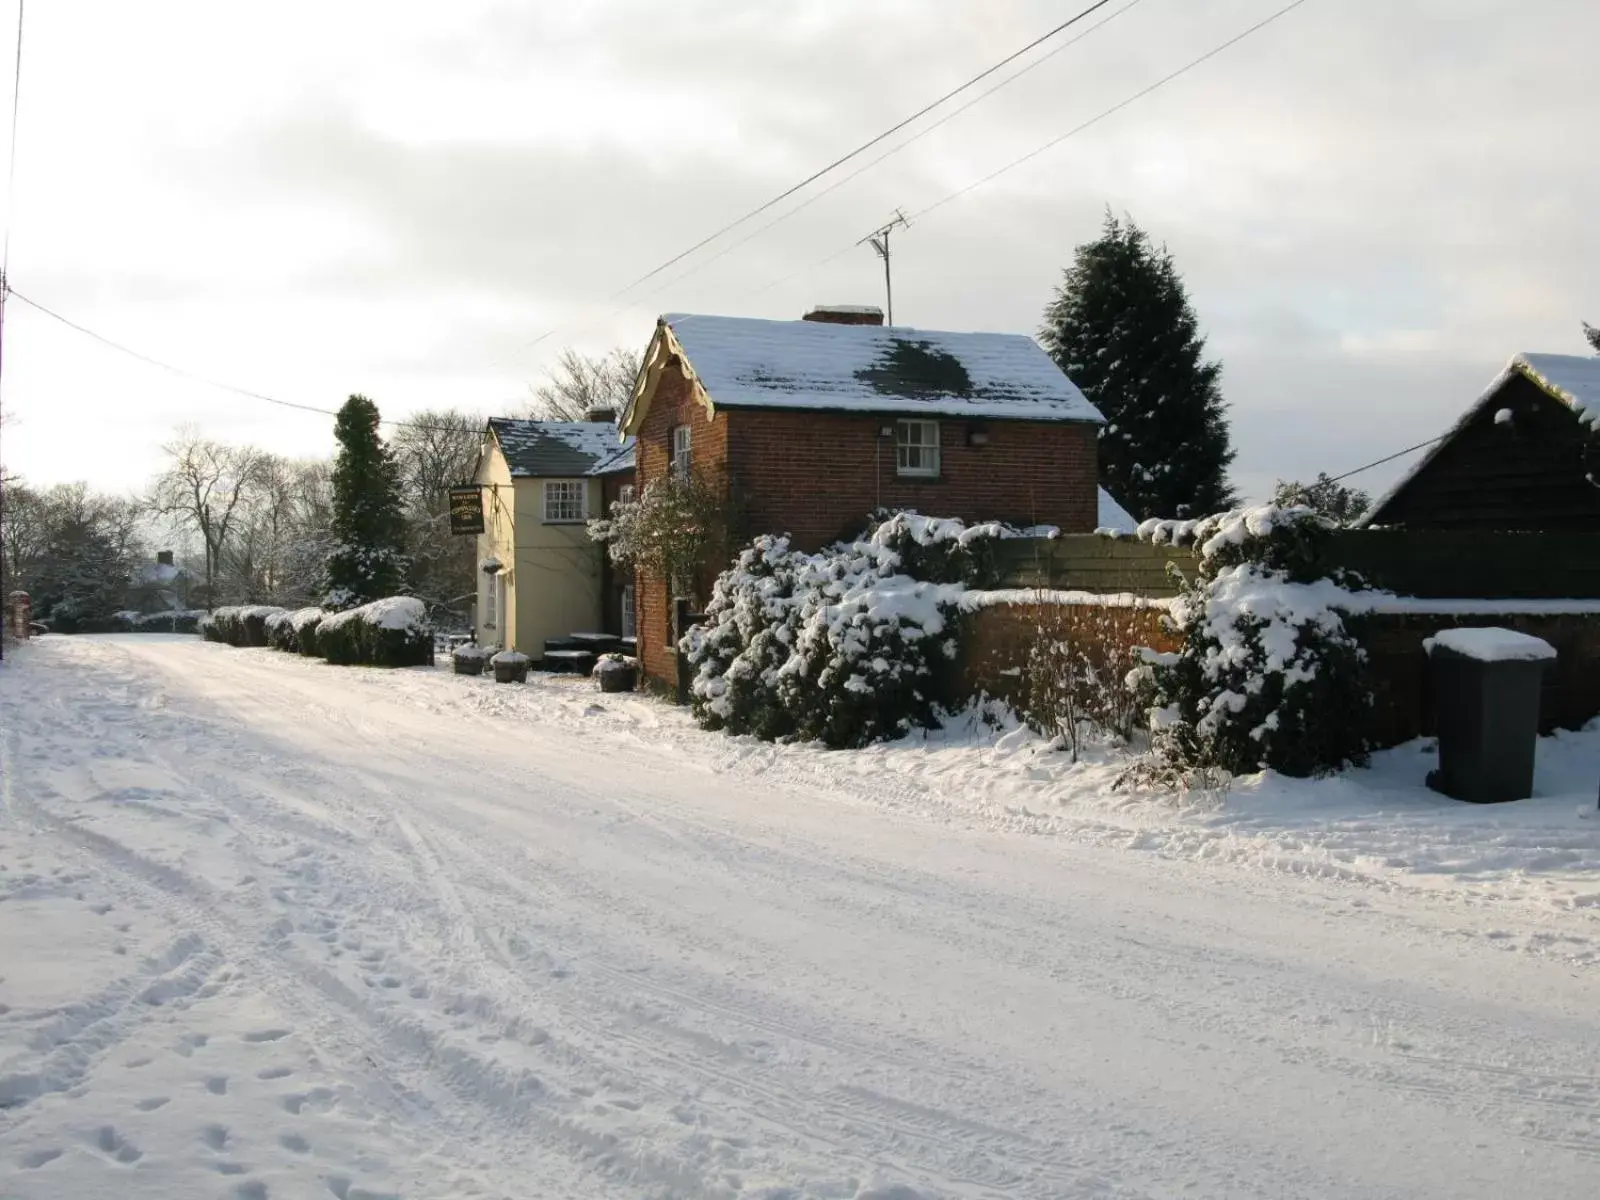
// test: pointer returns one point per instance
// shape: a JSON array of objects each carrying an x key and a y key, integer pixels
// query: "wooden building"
[{"x": 1526, "y": 456}]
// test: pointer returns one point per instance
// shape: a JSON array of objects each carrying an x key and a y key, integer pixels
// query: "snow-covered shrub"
[
  {"x": 176, "y": 621},
  {"x": 252, "y": 623},
  {"x": 394, "y": 632},
  {"x": 306, "y": 622},
  {"x": 1269, "y": 673},
  {"x": 672, "y": 529},
  {"x": 223, "y": 625},
  {"x": 941, "y": 549},
  {"x": 845, "y": 646},
  {"x": 747, "y": 635}
]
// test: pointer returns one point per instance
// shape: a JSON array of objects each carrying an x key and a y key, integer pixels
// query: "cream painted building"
[{"x": 540, "y": 576}]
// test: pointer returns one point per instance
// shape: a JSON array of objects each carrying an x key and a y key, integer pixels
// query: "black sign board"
[{"x": 466, "y": 510}]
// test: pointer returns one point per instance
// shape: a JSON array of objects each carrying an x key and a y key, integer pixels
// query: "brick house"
[{"x": 815, "y": 423}]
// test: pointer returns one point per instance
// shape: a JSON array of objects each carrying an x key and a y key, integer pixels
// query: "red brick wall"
[
  {"x": 817, "y": 475},
  {"x": 996, "y": 641},
  {"x": 708, "y": 442}
]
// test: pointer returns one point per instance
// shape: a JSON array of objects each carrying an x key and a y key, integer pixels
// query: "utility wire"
[
  {"x": 209, "y": 382},
  {"x": 1397, "y": 454},
  {"x": 1115, "y": 108},
  {"x": 838, "y": 162},
  {"x": 11, "y": 172},
  {"x": 867, "y": 166}
]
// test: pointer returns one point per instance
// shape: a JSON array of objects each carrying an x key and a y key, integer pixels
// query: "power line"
[
  {"x": 1053, "y": 142},
  {"x": 840, "y": 161},
  {"x": 11, "y": 172},
  {"x": 209, "y": 382},
  {"x": 1390, "y": 458},
  {"x": 867, "y": 166},
  {"x": 1115, "y": 108}
]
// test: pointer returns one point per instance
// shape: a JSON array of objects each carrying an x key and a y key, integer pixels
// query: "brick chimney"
[
  {"x": 601, "y": 416},
  {"x": 163, "y": 558},
  {"x": 845, "y": 314}
]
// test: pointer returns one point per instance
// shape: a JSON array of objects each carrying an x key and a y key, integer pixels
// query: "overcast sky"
[{"x": 1374, "y": 202}]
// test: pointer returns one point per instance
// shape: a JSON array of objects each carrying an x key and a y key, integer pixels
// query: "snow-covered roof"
[
  {"x": 157, "y": 574},
  {"x": 1571, "y": 379},
  {"x": 562, "y": 448},
  {"x": 743, "y": 362},
  {"x": 1113, "y": 516}
]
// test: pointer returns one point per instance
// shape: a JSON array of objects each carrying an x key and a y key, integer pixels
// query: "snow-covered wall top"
[
  {"x": 1491, "y": 645},
  {"x": 743, "y": 362},
  {"x": 562, "y": 449}
]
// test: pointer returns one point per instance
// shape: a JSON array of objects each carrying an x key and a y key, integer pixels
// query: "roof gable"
[
  {"x": 1570, "y": 379},
  {"x": 561, "y": 449},
  {"x": 743, "y": 362}
]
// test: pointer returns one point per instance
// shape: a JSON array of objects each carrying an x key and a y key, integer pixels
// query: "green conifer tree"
[
  {"x": 1121, "y": 328},
  {"x": 367, "y": 561}
]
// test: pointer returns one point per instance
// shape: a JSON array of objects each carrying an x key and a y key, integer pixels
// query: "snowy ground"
[{"x": 273, "y": 929}]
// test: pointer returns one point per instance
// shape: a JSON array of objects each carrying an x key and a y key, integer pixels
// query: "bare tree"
[
  {"x": 437, "y": 449},
  {"x": 204, "y": 488},
  {"x": 580, "y": 383}
]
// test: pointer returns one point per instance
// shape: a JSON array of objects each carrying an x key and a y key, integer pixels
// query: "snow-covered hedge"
[
  {"x": 238, "y": 625},
  {"x": 850, "y": 646},
  {"x": 284, "y": 628},
  {"x": 1269, "y": 674},
  {"x": 392, "y": 632}
]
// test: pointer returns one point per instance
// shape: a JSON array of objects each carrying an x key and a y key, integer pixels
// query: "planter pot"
[
  {"x": 619, "y": 681},
  {"x": 511, "y": 672},
  {"x": 470, "y": 665}
]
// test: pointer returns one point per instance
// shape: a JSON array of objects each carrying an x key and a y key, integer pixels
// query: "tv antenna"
[{"x": 879, "y": 240}]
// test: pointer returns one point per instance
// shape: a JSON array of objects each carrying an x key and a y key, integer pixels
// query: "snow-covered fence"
[{"x": 1408, "y": 562}]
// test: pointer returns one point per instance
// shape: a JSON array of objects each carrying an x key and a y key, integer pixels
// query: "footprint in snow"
[
  {"x": 153, "y": 1103},
  {"x": 295, "y": 1143},
  {"x": 275, "y": 1073},
  {"x": 215, "y": 1136},
  {"x": 118, "y": 1147},
  {"x": 266, "y": 1035},
  {"x": 38, "y": 1158},
  {"x": 217, "y": 1085}
]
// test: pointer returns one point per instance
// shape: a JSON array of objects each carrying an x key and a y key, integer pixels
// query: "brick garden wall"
[{"x": 997, "y": 640}]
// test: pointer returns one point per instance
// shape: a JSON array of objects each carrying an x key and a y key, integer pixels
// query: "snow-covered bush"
[
  {"x": 845, "y": 646},
  {"x": 224, "y": 625},
  {"x": 284, "y": 629},
  {"x": 176, "y": 621},
  {"x": 252, "y": 623},
  {"x": 1269, "y": 673},
  {"x": 306, "y": 622},
  {"x": 392, "y": 632}
]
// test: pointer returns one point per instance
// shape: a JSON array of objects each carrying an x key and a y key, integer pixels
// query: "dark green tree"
[
  {"x": 368, "y": 559},
  {"x": 1332, "y": 499},
  {"x": 1121, "y": 328},
  {"x": 1593, "y": 334}
]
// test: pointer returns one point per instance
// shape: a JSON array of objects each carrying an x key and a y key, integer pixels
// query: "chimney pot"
[
  {"x": 845, "y": 314},
  {"x": 603, "y": 416}
]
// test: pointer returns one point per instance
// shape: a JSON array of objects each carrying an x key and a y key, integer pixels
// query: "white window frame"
[
  {"x": 630, "y": 613},
  {"x": 627, "y": 494},
  {"x": 570, "y": 500},
  {"x": 916, "y": 448},
  {"x": 682, "y": 451},
  {"x": 491, "y": 601}
]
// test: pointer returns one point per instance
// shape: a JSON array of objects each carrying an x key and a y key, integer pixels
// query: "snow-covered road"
[{"x": 272, "y": 929}]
